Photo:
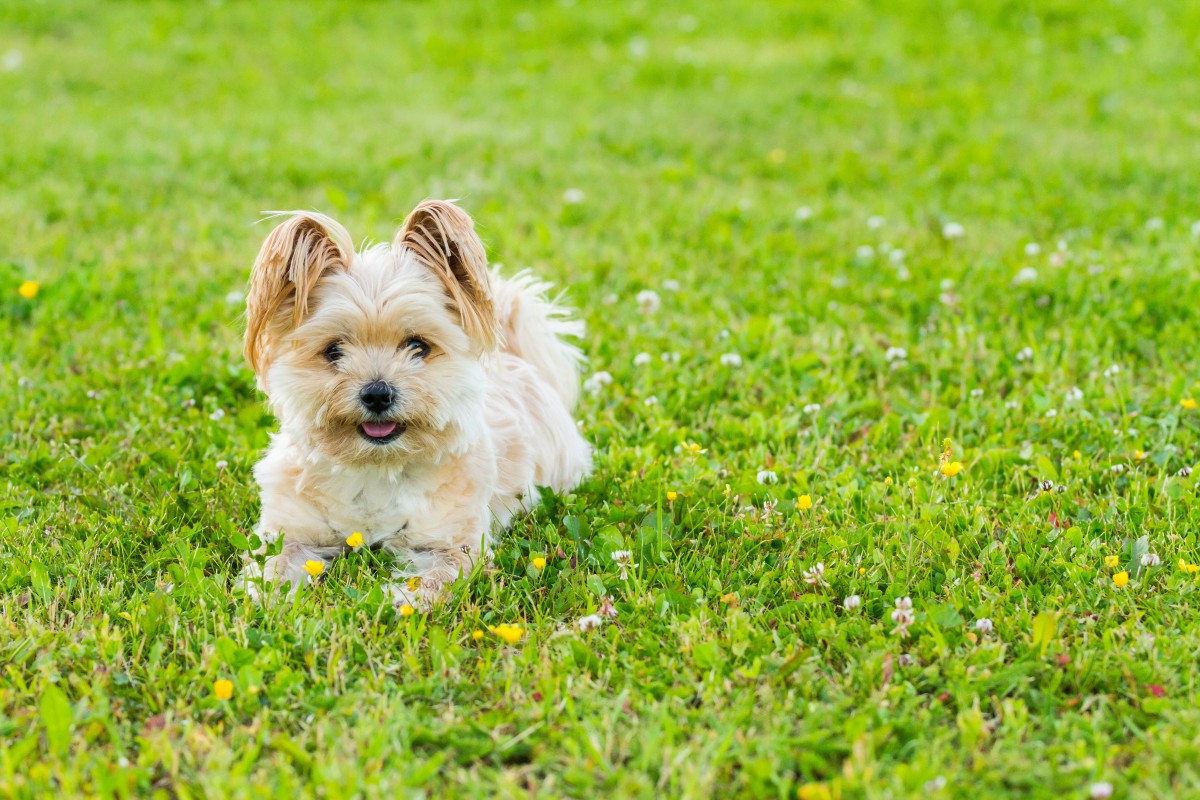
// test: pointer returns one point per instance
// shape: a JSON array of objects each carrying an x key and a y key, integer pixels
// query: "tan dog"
[{"x": 421, "y": 398}]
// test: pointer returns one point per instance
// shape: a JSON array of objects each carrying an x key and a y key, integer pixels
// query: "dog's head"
[{"x": 373, "y": 357}]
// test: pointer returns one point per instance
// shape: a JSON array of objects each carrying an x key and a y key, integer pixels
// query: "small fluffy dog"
[{"x": 422, "y": 399}]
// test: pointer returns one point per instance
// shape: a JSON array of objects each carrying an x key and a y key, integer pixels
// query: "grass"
[{"x": 140, "y": 142}]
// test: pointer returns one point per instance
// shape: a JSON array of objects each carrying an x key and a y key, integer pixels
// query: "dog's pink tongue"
[{"x": 377, "y": 430}]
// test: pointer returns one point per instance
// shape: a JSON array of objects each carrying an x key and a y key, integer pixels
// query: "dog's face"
[{"x": 374, "y": 357}]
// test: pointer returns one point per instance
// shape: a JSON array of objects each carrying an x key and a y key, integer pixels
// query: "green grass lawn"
[{"x": 791, "y": 180}]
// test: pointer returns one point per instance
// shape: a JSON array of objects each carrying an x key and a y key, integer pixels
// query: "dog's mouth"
[{"x": 381, "y": 432}]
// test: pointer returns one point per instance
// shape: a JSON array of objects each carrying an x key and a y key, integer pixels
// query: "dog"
[{"x": 422, "y": 399}]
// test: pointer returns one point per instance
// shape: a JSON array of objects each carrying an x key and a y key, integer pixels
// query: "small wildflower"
[
  {"x": 406, "y": 610},
  {"x": 1112, "y": 371},
  {"x": 804, "y": 502},
  {"x": 28, "y": 289},
  {"x": 223, "y": 689},
  {"x": 1101, "y": 790},
  {"x": 597, "y": 382},
  {"x": 222, "y": 464},
  {"x": 984, "y": 625},
  {"x": 692, "y": 447},
  {"x": 730, "y": 599},
  {"x": 1074, "y": 395},
  {"x": 1077, "y": 455},
  {"x": 671, "y": 496},
  {"x": 235, "y": 298},
  {"x": 1189, "y": 568},
  {"x": 1120, "y": 579},
  {"x": 1189, "y": 403},
  {"x": 573, "y": 197},
  {"x": 590, "y": 622},
  {"x": 1154, "y": 224},
  {"x": 314, "y": 568},
  {"x": 477, "y": 635},
  {"x": 951, "y": 468},
  {"x": 217, "y": 415},
  {"x": 1117, "y": 468},
  {"x": 977, "y": 393},
  {"x": 1184, "y": 472},
  {"x": 1112, "y": 561},
  {"x": 865, "y": 252},
  {"x": 766, "y": 476},
  {"x": 509, "y": 633},
  {"x": 953, "y": 230},
  {"x": 852, "y": 602},
  {"x": 1150, "y": 560},
  {"x": 1024, "y": 276},
  {"x": 903, "y": 616},
  {"x": 354, "y": 540},
  {"x": 1033, "y": 249},
  {"x": 652, "y": 400},
  {"x": 1025, "y": 354},
  {"x": 894, "y": 354},
  {"x": 641, "y": 359},
  {"x": 812, "y": 408},
  {"x": 875, "y": 222},
  {"x": 539, "y": 563},
  {"x": 607, "y": 609},
  {"x": 731, "y": 360},
  {"x": 648, "y": 301},
  {"x": 624, "y": 560},
  {"x": 728, "y": 490},
  {"x": 815, "y": 575},
  {"x": 670, "y": 285},
  {"x": 804, "y": 213}
]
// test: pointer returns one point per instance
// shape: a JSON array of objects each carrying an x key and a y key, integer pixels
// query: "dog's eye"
[
  {"x": 333, "y": 352},
  {"x": 417, "y": 346}
]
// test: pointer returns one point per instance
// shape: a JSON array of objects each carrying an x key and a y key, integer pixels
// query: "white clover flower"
[
  {"x": 804, "y": 213},
  {"x": 815, "y": 575},
  {"x": 1033, "y": 249},
  {"x": 906, "y": 659},
  {"x": 670, "y": 358},
  {"x": 903, "y": 274},
  {"x": 1012, "y": 404},
  {"x": 1026, "y": 275},
  {"x": 217, "y": 415},
  {"x": 904, "y": 603},
  {"x": 839, "y": 281},
  {"x": 812, "y": 408},
  {"x": 1095, "y": 269},
  {"x": 947, "y": 284},
  {"x": 648, "y": 301},
  {"x": 1025, "y": 354},
  {"x": 235, "y": 298},
  {"x": 723, "y": 333},
  {"x": 731, "y": 360},
  {"x": 865, "y": 252},
  {"x": 590, "y": 622},
  {"x": 597, "y": 382},
  {"x": 896, "y": 256},
  {"x": 221, "y": 464},
  {"x": 977, "y": 393},
  {"x": 650, "y": 401},
  {"x": 1112, "y": 371},
  {"x": 895, "y": 354},
  {"x": 1154, "y": 224},
  {"x": 607, "y": 609},
  {"x": 1150, "y": 560},
  {"x": 624, "y": 560},
  {"x": 1117, "y": 469},
  {"x": 984, "y": 625},
  {"x": 641, "y": 359},
  {"x": 609, "y": 299},
  {"x": 936, "y": 785},
  {"x": 875, "y": 222},
  {"x": 670, "y": 285},
  {"x": 852, "y": 602},
  {"x": 953, "y": 230},
  {"x": 1074, "y": 395},
  {"x": 1051, "y": 413},
  {"x": 1101, "y": 790},
  {"x": 766, "y": 476},
  {"x": 573, "y": 197}
]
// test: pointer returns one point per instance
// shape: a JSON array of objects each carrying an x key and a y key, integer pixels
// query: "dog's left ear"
[{"x": 442, "y": 237}]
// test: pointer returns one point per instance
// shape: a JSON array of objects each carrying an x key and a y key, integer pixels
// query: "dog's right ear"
[{"x": 301, "y": 249}]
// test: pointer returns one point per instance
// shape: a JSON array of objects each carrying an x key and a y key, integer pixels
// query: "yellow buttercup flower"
[
  {"x": 539, "y": 563},
  {"x": 1188, "y": 568},
  {"x": 355, "y": 540},
  {"x": 1111, "y": 561},
  {"x": 314, "y": 568},
  {"x": 1078, "y": 455},
  {"x": 28, "y": 289},
  {"x": 477, "y": 635},
  {"x": 223, "y": 689},
  {"x": 406, "y": 610},
  {"x": 728, "y": 491},
  {"x": 693, "y": 447},
  {"x": 1120, "y": 579},
  {"x": 671, "y": 496},
  {"x": 509, "y": 633},
  {"x": 804, "y": 502},
  {"x": 952, "y": 468},
  {"x": 1189, "y": 403}
]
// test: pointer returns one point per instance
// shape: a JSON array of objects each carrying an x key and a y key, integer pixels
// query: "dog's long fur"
[{"x": 481, "y": 418}]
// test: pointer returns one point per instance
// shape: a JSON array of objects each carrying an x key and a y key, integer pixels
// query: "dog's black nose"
[{"x": 377, "y": 396}]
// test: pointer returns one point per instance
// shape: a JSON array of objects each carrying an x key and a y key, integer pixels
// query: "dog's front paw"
[
  {"x": 417, "y": 593},
  {"x": 277, "y": 573}
]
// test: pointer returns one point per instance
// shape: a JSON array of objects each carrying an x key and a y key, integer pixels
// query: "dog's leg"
[{"x": 288, "y": 569}]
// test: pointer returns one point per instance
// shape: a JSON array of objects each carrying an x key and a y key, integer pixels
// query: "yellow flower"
[
  {"x": 1189, "y": 568},
  {"x": 671, "y": 496},
  {"x": 406, "y": 610},
  {"x": 1078, "y": 455},
  {"x": 223, "y": 689},
  {"x": 1189, "y": 403},
  {"x": 413, "y": 583},
  {"x": 693, "y": 448},
  {"x": 355, "y": 540},
  {"x": 539, "y": 563},
  {"x": 1111, "y": 561},
  {"x": 730, "y": 599},
  {"x": 952, "y": 468},
  {"x": 477, "y": 635},
  {"x": 314, "y": 568},
  {"x": 887, "y": 481},
  {"x": 509, "y": 633},
  {"x": 1120, "y": 579},
  {"x": 814, "y": 791},
  {"x": 804, "y": 502},
  {"x": 727, "y": 491},
  {"x": 1140, "y": 454},
  {"x": 862, "y": 570},
  {"x": 28, "y": 289}
]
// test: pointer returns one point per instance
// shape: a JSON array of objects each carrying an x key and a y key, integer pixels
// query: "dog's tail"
[{"x": 535, "y": 328}]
